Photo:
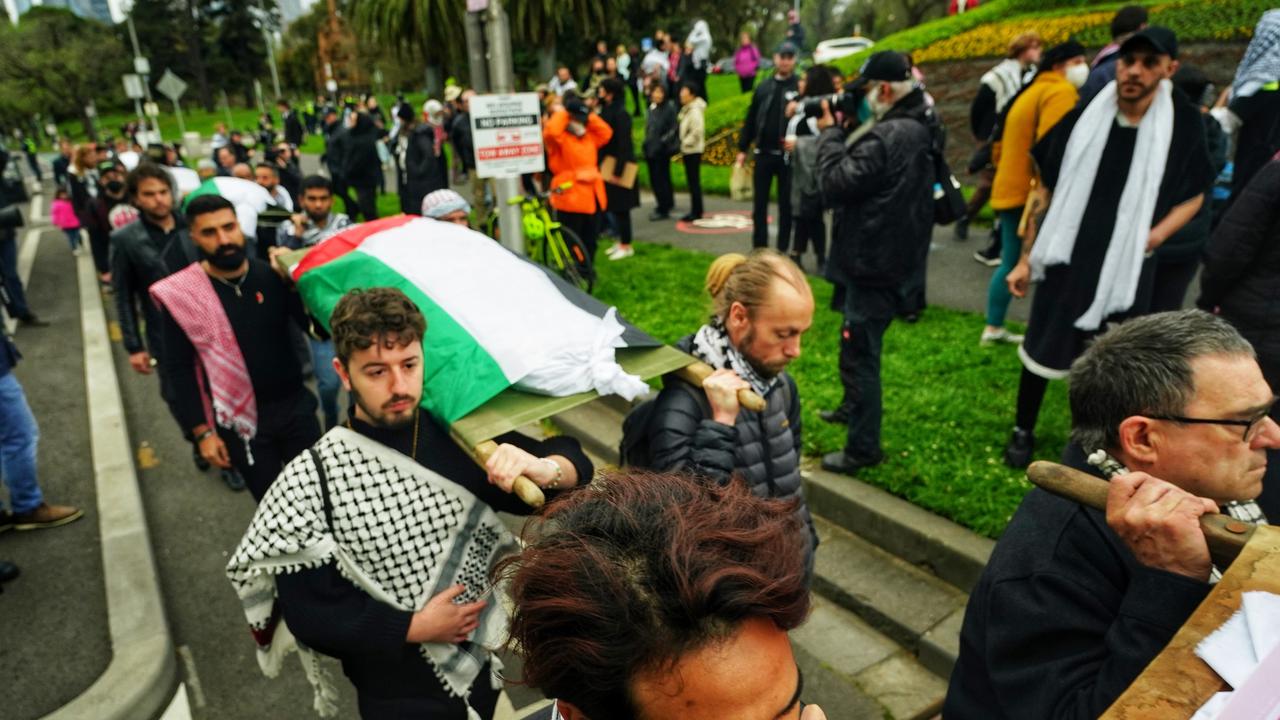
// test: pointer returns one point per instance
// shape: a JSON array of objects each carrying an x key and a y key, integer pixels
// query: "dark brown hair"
[
  {"x": 146, "y": 171},
  {"x": 638, "y": 569},
  {"x": 363, "y": 317}
]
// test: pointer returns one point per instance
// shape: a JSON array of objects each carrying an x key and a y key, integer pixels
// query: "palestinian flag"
[
  {"x": 249, "y": 198},
  {"x": 494, "y": 320}
]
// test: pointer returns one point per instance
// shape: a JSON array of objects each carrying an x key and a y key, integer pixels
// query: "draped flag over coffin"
[{"x": 494, "y": 320}]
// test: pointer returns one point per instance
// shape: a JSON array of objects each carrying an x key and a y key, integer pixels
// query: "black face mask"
[
  {"x": 226, "y": 257},
  {"x": 115, "y": 187}
]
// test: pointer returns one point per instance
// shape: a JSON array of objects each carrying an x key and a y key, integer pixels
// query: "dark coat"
[
  {"x": 622, "y": 148},
  {"x": 337, "y": 139},
  {"x": 1063, "y": 619},
  {"x": 759, "y": 112},
  {"x": 1186, "y": 244},
  {"x": 763, "y": 448},
  {"x": 137, "y": 261},
  {"x": 460, "y": 137},
  {"x": 1242, "y": 267},
  {"x": 881, "y": 189},
  {"x": 360, "y": 164},
  {"x": 292, "y": 128},
  {"x": 423, "y": 171},
  {"x": 661, "y": 132}
]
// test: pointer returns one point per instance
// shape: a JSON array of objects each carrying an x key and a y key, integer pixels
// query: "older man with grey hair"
[{"x": 1074, "y": 602}]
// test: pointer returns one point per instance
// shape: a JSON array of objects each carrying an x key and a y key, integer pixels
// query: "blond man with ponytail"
[{"x": 761, "y": 307}]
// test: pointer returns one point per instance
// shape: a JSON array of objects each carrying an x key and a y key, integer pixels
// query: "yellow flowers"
[{"x": 993, "y": 40}]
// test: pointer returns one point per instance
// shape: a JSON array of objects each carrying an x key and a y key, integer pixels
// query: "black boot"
[{"x": 1018, "y": 451}]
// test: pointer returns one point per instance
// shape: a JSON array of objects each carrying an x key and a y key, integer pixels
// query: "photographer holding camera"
[{"x": 879, "y": 179}]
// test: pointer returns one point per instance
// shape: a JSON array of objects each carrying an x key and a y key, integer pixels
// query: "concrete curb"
[
  {"x": 142, "y": 675},
  {"x": 955, "y": 554}
]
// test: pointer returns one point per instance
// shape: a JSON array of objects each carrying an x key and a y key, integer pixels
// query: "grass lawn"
[{"x": 948, "y": 403}]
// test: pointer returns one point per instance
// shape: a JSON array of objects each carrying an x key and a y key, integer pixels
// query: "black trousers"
[
  {"x": 622, "y": 224},
  {"x": 586, "y": 227},
  {"x": 100, "y": 247},
  {"x": 768, "y": 167},
  {"x": 660, "y": 179},
  {"x": 286, "y": 427},
  {"x": 367, "y": 200},
  {"x": 343, "y": 191},
  {"x": 747, "y": 83},
  {"x": 1172, "y": 278},
  {"x": 868, "y": 313},
  {"x": 439, "y": 705},
  {"x": 693, "y": 176},
  {"x": 811, "y": 229}
]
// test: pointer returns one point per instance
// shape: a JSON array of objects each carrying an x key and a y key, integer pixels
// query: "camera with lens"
[{"x": 843, "y": 103}]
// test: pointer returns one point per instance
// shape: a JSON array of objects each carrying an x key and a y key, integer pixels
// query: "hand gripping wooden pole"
[
  {"x": 1225, "y": 535},
  {"x": 697, "y": 372},
  {"x": 524, "y": 488}
]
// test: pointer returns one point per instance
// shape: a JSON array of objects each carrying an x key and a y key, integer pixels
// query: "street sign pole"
[{"x": 502, "y": 80}]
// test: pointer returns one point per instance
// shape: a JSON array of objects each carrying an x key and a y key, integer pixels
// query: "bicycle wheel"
[{"x": 569, "y": 257}]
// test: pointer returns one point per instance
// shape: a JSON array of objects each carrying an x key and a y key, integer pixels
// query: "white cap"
[{"x": 433, "y": 109}]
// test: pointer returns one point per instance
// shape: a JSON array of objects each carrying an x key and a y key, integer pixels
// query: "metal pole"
[
  {"x": 502, "y": 80},
  {"x": 182, "y": 127},
  {"x": 474, "y": 27},
  {"x": 271, "y": 60},
  {"x": 146, "y": 79}
]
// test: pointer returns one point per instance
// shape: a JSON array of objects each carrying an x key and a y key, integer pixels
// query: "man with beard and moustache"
[
  {"x": 228, "y": 347},
  {"x": 268, "y": 177},
  {"x": 141, "y": 255},
  {"x": 375, "y": 545},
  {"x": 879, "y": 180},
  {"x": 1125, "y": 173},
  {"x": 762, "y": 306}
]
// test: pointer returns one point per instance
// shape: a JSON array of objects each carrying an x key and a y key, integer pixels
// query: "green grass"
[{"x": 948, "y": 403}]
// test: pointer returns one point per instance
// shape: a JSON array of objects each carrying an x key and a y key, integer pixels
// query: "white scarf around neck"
[{"x": 1122, "y": 265}]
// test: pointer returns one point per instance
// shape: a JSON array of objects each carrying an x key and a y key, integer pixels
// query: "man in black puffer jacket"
[
  {"x": 763, "y": 304},
  {"x": 360, "y": 164},
  {"x": 881, "y": 186}
]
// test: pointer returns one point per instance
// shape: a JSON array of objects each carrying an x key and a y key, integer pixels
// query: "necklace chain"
[
  {"x": 233, "y": 285},
  {"x": 413, "y": 449}
]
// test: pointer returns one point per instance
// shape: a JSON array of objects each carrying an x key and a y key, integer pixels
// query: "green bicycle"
[{"x": 548, "y": 242}]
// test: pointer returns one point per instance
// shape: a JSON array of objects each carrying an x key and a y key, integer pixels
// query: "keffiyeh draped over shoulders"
[{"x": 400, "y": 532}]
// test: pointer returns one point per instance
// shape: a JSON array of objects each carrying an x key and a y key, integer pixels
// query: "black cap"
[
  {"x": 1160, "y": 38},
  {"x": 1060, "y": 53},
  {"x": 577, "y": 109},
  {"x": 788, "y": 48},
  {"x": 107, "y": 166},
  {"x": 884, "y": 66}
]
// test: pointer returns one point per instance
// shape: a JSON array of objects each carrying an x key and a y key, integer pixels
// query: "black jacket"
[
  {"x": 360, "y": 164},
  {"x": 337, "y": 139},
  {"x": 292, "y": 128},
  {"x": 137, "y": 261},
  {"x": 460, "y": 137},
  {"x": 422, "y": 171},
  {"x": 761, "y": 447},
  {"x": 881, "y": 189},
  {"x": 1063, "y": 619},
  {"x": 661, "y": 132},
  {"x": 622, "y": 148},
  {"x": 766, "y": 108},
  {"x": 1242, "y": 260},
  {"x": 1186, "y": 244}
]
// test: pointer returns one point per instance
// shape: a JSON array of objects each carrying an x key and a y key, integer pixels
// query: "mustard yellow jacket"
[{"x": 1031, "y": 117}]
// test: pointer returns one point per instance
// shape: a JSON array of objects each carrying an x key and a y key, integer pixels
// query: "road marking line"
[
  {"x": 35, "y": 208},
  {"x": 193, "y": 680},
  {"x": 180, "y": 708},
  {"x": 27, "y": 255}
]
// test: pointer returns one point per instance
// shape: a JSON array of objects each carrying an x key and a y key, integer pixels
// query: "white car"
[{"x": 829, "y": 50}]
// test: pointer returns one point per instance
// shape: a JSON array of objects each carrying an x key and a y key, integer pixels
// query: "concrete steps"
[{"x": 891, "y": 583}]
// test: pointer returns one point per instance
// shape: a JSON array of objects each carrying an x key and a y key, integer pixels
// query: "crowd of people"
[{"x": 669, "y": 589}]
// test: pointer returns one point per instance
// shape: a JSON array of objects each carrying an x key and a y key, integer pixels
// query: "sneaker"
[
  {"x": 846, "y": 464},
  {"x": 689, "y": 217},
  {"x": 657, "y": 215},
  {"x": 46, "y": 516},
  {"x": 1000, "y": 335},
  {"x": 962, "y": 229},
  {"x": 624, "y": 251},
  {"x": 1017, "y": 454},
  {"x": 989, "y": 257},
  {"x": 233, "y": 479},
  {"x": 30, "y": 320}
]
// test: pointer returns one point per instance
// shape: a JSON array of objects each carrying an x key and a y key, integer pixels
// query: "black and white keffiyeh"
[
  {"x": 1246, "y": 510},
  {"x": 400, "y": 532},
  {"x": 712, "y": 346}
]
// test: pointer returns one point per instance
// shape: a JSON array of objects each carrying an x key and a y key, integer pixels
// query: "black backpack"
[{"x": 633, "y": 449}]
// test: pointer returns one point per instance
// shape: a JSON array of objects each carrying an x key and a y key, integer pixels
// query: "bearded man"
[
  {"x": 375, "y": 545},
  {"x": 763, "y": 305}
]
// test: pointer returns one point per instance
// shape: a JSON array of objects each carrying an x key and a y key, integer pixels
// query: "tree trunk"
[
  {"x": 197, "y": 56},
  {"x": 435, "y": 83},
  {"x": 546, "y": 61},
  {"x": 90, "y": 131}
]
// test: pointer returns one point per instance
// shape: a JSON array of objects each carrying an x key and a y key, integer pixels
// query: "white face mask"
[{"x": 1078, "y": 74}]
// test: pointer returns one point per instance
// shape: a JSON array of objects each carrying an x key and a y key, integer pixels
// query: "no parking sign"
[{"x": 506, "y": 131}]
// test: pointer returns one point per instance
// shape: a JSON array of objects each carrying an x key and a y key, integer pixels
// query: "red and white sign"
[{"x": 506, "y": 131}]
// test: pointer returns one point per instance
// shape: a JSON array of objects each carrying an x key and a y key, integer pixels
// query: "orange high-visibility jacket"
[{"x": 575, "y": 158}]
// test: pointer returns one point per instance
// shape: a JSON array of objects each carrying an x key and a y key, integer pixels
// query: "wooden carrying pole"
[
  {"x": 1225, "y": 535},
  {"x": 697, "y": 372},
  {"x": 524, "y": 488}
]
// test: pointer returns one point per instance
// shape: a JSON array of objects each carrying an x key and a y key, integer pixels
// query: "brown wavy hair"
[
  {"x": 363, "y": 317},
  {"x": 638, "y": 569}
]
